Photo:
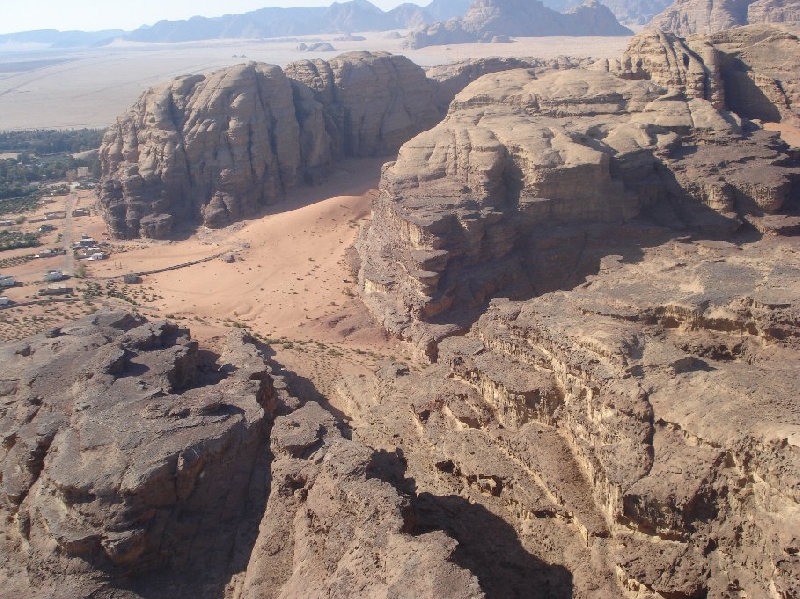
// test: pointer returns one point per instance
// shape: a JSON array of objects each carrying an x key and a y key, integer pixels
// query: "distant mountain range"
[
  {"x": 499, "y": 20},
  {"x": 271, "y": 22},
  {"x": 268, "y": 22}
]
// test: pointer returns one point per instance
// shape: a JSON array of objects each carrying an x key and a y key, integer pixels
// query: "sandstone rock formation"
[
  {"x": 136, "y": 463},
  {"x": 638, "y": 238},
  {"x": 643, "y": 423},
  {"x": 339, "y": 527},
  {"x": 127, "y": 448},
  {"x": 733, "y": 68},
  {"x": 213, "y": 149},
  {"x": 489, "y": 19},
  {"x": 514, "y": 192},
  {"x": 685, "y": 17},
  {"x": 757, "y": 85}
]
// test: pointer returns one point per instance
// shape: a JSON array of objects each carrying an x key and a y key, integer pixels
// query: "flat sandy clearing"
[{"x": 288, "y": 276}]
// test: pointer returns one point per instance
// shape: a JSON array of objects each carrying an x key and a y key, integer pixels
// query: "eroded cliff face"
[
  {"x": 638, "y": 237},
  {"x": 529, "y": 180},
  {"x": 213, "y": 149}
]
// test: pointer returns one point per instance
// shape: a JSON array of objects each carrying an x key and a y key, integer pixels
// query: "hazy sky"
[{"x": 92, "y": 15}]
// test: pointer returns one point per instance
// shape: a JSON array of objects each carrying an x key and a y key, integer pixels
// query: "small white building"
[{"x": 53, "y": 275}]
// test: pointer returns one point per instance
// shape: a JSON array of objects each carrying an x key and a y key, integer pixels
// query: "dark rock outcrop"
[
  {"x": 137, "y": 463},
  {"x": 127, "y": 448},
  {"x": 213, "y": 149}
]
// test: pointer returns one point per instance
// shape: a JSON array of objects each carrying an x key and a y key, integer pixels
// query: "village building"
[
  {"x": 53, "y": 275},
  {"x": 55, "y": 290}
]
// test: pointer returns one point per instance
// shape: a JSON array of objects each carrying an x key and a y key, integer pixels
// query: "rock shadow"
[
  {"x": 303, "y": 388},
  {"x": 489, "y": 547}
]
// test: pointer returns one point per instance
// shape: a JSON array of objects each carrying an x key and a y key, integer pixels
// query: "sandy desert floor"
[{"x": 289, "y": 282}]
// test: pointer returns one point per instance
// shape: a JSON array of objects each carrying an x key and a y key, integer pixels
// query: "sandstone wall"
[{"x": 212, "y": 149}]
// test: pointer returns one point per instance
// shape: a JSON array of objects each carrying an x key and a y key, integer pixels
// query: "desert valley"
[{"x": 418, "y": 303}]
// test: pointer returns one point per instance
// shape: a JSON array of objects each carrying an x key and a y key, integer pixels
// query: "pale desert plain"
[{"x": 62, "y": 89}]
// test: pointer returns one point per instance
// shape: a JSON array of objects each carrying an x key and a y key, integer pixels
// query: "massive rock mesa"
[
  {"x": 497, "y": 20},
  {"x": 526, "y": 182},
  {"x": 213, "y": 149},
  {"x": 661, "y": 380},
  {"x": 128, "y": 448}
]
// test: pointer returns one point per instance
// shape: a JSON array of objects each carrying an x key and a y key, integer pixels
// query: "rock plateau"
[{"x": 597, "y": 265}]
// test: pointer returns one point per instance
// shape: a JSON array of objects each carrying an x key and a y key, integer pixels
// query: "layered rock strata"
[
  {"x": 528, "y": 181},
  {"x": 686, "y": 17},
  {"x": 212, "y": 149},
  {"x": 660, "y": 378}
]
